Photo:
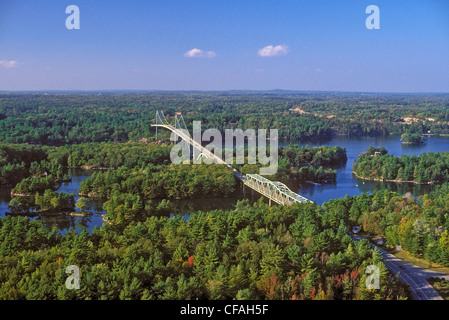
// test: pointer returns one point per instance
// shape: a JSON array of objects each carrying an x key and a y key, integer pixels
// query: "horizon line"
[{"x": 217, "y": 90}]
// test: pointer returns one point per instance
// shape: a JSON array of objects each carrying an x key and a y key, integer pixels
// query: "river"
[{"x": 346, "y": 183}]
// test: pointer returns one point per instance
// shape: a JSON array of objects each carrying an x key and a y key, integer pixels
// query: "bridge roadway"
[{"x": 273, "y": 190}]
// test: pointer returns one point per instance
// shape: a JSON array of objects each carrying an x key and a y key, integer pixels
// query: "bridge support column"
[{"x": 269, "y": 202}]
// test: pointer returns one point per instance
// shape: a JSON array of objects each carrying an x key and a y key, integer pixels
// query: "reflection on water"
[{"x": 346, "y": 183}]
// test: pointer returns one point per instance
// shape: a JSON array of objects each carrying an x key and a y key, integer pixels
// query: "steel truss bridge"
[{"x": 274, "y": 190}]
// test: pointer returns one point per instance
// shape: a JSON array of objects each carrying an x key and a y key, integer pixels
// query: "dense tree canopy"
[
  {"x": 299, "y": 164},
  {"x": 254, "y": 252},
  {"x": 419, "y": 226},
  {"x": 69, "y": 118},
  {"x": 376, "y": 163}
]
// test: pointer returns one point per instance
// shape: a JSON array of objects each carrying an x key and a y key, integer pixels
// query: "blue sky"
[{"x": 216, "y": 45}]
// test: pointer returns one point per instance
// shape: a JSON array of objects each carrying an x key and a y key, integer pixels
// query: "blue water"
[
  {"x": 65, "y": 222},
  {"x": 346, "y": 183}
]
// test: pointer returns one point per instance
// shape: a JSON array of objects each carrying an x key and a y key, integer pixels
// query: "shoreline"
[
  {"x": 90, "y": 167},
  {"x": 21, "y": 195},
  {"x": 388, "y": 180},
  {"x": 39, "y": 213}
]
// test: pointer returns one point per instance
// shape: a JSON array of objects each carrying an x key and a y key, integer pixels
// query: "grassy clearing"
[{"x": 405, "y": 256}]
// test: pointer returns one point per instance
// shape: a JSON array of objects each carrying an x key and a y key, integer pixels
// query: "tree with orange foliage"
[{"x": 191, "y": 261}]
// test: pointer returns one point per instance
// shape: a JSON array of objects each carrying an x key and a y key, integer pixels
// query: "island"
[
  {"x": 413, "y": 138},
  {"x": 426, "y": 168}
]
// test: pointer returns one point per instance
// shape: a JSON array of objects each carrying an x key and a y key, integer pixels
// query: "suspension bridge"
[{"x": 274, "y": 190}]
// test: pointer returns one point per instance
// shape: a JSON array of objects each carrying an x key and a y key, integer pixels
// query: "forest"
[
  {"x": 253, "y": 252},
  {"x": 425, "y": 168},
  {"x": 420, "y": 225},
  {"x": 62, "y": 118},
  {"x": 133, "y": 175}
]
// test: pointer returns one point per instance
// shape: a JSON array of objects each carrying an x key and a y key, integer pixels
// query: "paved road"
[{"x": 415, "y": 276}]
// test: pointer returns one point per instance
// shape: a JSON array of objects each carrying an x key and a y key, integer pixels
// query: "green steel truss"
[{"x": 274, "y": 190}]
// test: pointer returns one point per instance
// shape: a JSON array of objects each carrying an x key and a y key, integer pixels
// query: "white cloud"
[
  {"x": 272, "y": 51},
  {"x": 9, "y": 63},
  {"x": 197, "y": 53}
]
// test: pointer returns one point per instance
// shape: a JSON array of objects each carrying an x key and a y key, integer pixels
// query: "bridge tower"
[
  {"x": 177, "y": 123},
  {"x": 159, "y": 119}
]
